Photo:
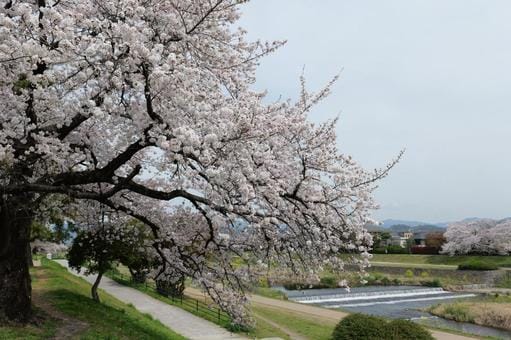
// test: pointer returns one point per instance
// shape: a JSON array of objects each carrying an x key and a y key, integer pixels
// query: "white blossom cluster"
[
  {"x": 45, "y": 247},
  {"x": 132, "y": 103},
  {"x": 485, "y": 236}
]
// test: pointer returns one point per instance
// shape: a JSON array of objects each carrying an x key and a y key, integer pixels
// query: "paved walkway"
[{"x": 175, "y": 318}]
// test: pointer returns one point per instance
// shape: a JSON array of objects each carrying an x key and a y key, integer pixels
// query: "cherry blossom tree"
[
  {"x": 141, "y": 105},
  {"x": 485, "y": 236}
]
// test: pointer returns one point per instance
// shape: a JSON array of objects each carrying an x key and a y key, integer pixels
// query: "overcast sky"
[{"x": 431, "y": 76}]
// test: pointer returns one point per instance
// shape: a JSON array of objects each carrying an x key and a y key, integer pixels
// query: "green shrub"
[
  {"x": 432, "y": 283},
  {"x": 396, "y": 250},
  {"x": 409, "y": 273},
  {"x": 386, "y": 281},
  {"x": 408, "y": 330},
  {"x": 477, "y": 265},
  {"x": 329, "y": 281},
  {"x": 360, "y": 326},
  {"x": 458, "y": 312},
  {"x": 379, "y": 250}
]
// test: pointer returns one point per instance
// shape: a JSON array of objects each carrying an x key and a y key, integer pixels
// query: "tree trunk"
[
  {"x": 15, "y": 286},
  {"x": 138, "y": 276},
  {"x": 94, "y": 289}
]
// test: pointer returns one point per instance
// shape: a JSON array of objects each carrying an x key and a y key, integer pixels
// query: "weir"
[{"x": 353, "y": 296}]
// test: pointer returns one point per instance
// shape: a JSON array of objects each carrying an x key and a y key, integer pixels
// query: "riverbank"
[{"x": 489, "y": 310}]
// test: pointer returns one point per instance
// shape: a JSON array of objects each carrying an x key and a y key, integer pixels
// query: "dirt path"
[
  {"x": 68, "y": 328},
  {"x": 313, "y": 311}
]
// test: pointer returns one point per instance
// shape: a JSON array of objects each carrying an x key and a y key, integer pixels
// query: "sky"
[{"x": 432, "y": 77}]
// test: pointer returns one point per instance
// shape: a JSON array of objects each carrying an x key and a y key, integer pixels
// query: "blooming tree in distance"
[
  {"x": 485, "y": 236},
  {"x": 145, "y": 105}
]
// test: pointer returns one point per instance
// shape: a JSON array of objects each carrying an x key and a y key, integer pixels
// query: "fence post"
[
  {"x": 218, "y": 314},
  {"x": 181, "y": 297},
  {"x": 197, "y": 305}
]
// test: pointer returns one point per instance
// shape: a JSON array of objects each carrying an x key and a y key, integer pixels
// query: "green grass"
[
  {"x": 262, "y": 330},
  {"x": 69, "y": 295},
  {"x": 45, "y": 330},
  {"x": 501, "y": 261},
  {"x": 270, "y": 293},
  {"x": 265, "y": 330},
  {"x": 312, "y": 328}
]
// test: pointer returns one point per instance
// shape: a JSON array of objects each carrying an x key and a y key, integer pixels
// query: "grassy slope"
[
  {"x": 69, "y": 296},
  {"x": 262, "y": 330},
  {"x": 502, "y": 261},
  {"x": 307, "y": 326}
]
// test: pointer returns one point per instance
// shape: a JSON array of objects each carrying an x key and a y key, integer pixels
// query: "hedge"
[
  {"x": 477, "y": 265},
  {"x": 360, "y": 326},
  {"x": 424, "y": 250}
]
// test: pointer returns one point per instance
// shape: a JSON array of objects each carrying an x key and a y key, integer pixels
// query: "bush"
[
  {"x": 378, "y": 279},
  {"x": 431, "y": 283},
  {"x": 379, "y": 250},
  {"x": 477, "y": 265},
  {"x": 408, "y": 330},
  {"x": 458, "y": 312},
  {"x": 424, "y": 250},
  {"x": 359, "y": 326},
  {"x": 324, "y": 282},
  {"x": 396, "y": 250},
  {"x": 329, "y": 282}
]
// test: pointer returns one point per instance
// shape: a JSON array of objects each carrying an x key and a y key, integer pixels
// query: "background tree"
[
  {"x": 435, "y": 240},
  {"x": 132, "y": 102},
  {"x": 380, "y": 239},
  {"x": 139, "y": 258},
  {"x": 484, "y": 237}
]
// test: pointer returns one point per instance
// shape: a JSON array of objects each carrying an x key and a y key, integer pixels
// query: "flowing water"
[{"x": 403, "y": 302}]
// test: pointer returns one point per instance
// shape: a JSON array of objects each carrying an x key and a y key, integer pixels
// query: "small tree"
[
  {"x": 94, "y": 252},
  {"x": 104, "y": 241}
]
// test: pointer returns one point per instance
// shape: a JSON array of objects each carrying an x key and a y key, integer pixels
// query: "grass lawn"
[
  {"x": 501, "y": 261},
  {"x": 66, "y": 311},
  {"x": 306, "y": 326}
]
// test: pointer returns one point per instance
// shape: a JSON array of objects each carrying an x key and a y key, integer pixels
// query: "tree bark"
[
  {"x": 138, "y": 276},
  {"x": 15, "y": 285},
  {"x": 94, "y": 289}
]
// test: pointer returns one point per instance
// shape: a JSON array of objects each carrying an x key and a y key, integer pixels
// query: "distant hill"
[
  {"x": 397, "y": 226},
  {"x": 390, "y": 222},
  {"x": 425, "y": 228}
]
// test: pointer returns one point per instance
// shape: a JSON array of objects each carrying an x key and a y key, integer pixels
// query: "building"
[
  {"x": 401, "y": 239},
  {"x": 420, "y": 239}
]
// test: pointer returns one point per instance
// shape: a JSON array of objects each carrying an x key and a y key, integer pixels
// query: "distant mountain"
[
  {"x": 397, "y": 226},
  {"x": 390, "y": 222},
  {"x": 425, "y": 228}
]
